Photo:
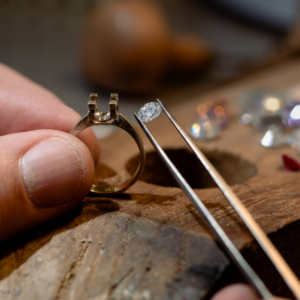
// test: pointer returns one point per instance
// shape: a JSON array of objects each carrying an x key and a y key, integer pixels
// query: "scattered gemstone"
[
  {"x": 262, "y": 108},
  {"x": 273, "y": 138},
  {"x": 205, "y": 129},
  {"x": 149, "y": 111},
  {"x": 246, "y": 119},
  {"x": 211, "y": 118},
  {"x": 291, "y": 116},
  {"x": 289, "y": 163},
  {"x": 214, "y": 111}
]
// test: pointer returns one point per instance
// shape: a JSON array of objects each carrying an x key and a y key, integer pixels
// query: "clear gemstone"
[
  {"x": 273, "y": 138},
  {"x": 291, "y": 116},
  {"x": 149, "y": 111},
  {"x": 205, "y": 129},
  {"x": 262, "y": 108},
  {"x": 215, "y": 112}
]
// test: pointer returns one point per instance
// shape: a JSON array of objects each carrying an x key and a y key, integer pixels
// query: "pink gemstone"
[{"x": 289, "y": 163}]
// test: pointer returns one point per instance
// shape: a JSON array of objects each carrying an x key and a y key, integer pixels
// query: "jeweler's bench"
[{"x": 150, "y": 243}]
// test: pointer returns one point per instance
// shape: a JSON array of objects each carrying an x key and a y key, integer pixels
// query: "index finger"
[{"x": 26, "y": 106}]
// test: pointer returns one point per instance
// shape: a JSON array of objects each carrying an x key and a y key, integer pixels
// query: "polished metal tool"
[{"x": 278, "y": 261}]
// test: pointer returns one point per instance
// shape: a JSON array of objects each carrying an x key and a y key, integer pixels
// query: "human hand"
[
  {"x": 238, "y": 292},
  {"x": 44, "y": 171}
]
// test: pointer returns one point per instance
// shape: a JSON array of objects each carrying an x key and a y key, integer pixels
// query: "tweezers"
[{"x": 284, "y": 270}]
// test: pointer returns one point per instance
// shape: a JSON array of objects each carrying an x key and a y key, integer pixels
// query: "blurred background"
[{"x": 143, "y": 50}]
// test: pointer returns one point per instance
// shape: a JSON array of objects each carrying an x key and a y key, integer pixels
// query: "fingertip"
[
  {"x": 58, "y": 170},
  {"x": 89, "y": 138},
  {"x": 46, "y": 173},
  {"x": 236, "y": 292}
]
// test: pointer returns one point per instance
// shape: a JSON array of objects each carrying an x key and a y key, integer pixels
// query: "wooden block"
[
  {"x": 154, "y": 245},
  {"x": 103, "y": 254}
]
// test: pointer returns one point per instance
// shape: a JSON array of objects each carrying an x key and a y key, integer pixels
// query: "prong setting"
[{"x": 96, "y": 116}]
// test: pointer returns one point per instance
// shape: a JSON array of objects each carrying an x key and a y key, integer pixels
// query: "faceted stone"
[
  {"x": 291, "y": 116},
  {"x": 214, "y": 111},
  {"x": 273, "y": 138},
  {"x": 205, "y": 129},
  {"x": 289, "y": 163},
  {"x": 149, "y": 111},
  {"x": 262, "y": 108}
]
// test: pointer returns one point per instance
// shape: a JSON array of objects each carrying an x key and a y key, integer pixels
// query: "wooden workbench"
[{"x": 150, "y": 243}]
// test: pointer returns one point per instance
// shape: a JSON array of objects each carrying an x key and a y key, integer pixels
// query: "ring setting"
[{"x": 113, "y": 117}]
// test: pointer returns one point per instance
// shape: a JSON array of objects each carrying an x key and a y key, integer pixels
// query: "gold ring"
[{"x": 114, "y": 118}]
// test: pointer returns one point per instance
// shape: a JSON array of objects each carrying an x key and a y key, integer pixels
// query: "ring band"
[{"x": 114, "y": 118}]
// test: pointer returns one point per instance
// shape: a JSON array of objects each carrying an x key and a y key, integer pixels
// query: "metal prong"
[
  {"x": 92, "y": 107},
  {"x": 114, "y": 96},
  {"x": 276, "y": 258},
  {"x": 114, "y": 105},
  {"x": 228, "y": 246},
  {"x": 92, "y": 104}
]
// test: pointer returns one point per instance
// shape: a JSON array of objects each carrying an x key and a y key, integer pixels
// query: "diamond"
[
  {"x": 149, "y": 111},
  {"x": 273, "y": 138},
  {"x": 205, "y": 129},
  {"x": 291, "y": 116},
  {"x": 262, "y": 108},
  {"x": 213, "y": 111},
  {"x": 290, "y": 163}
]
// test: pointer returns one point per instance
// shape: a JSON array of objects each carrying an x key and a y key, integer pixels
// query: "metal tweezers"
[{"x": 265, "y": 243}]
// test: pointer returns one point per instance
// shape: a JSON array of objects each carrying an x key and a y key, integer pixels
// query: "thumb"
[
  {"x": 238, "y": 291},
  {"x": 42, "y": 175}
]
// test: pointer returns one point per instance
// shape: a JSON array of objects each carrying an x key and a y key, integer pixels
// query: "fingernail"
[{"x": 52, "y": 172}]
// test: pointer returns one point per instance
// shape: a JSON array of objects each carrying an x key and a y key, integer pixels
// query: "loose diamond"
[
  {"x": 214, "y": 112},
  {"x": 262, "y": 108},
  {"x": 273, "y": 138},
  {"x": 149, "y": 111},
  {"x": 291, "y": 116},
  {"x": 205, "y": 129}
]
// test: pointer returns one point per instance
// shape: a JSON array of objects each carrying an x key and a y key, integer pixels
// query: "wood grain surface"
[{"x": 150, "y": 243}]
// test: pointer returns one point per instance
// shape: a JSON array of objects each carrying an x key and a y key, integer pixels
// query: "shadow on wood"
[{"x": 233, "y": 168}]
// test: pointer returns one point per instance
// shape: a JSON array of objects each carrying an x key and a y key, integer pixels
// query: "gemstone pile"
[
  {"x": 275, "y": 113},
  {"x": 210, "y": 120},
  {"x": 149, "y": 111},
  {"x": 262, "y": 108}
]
